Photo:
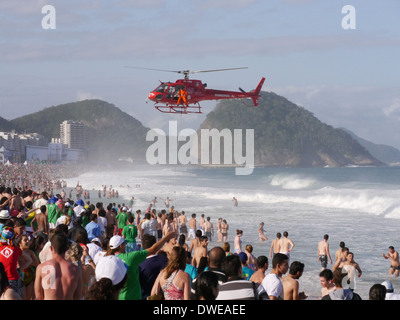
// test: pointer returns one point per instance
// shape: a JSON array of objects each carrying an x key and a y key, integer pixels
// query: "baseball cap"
[
  {"x": 112, "y": 268},
  {"x": 96, "y": 240},
  {"x": 388, "y": 285},
  {"x": 116, "y": 241},
  {"x": 4, "y": 214},
  {"x": 67, "y": 204}
]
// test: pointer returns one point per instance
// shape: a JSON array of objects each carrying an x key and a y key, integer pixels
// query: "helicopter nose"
[{"x": 151, "y": 96}]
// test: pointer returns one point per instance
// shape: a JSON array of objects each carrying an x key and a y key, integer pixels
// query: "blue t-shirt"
[
  {"x": 191, "y": 270},
  {"x": 93, "y": 230}
]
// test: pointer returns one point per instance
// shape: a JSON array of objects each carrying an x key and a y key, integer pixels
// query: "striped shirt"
[{"x": 239, "y": 290}]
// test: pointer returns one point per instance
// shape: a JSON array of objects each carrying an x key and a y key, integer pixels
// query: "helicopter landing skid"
[{"x": 173, "y": 108}]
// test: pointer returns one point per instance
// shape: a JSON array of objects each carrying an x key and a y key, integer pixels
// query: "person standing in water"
[
  {"x": 235, "y": 202},
  {"x": 286, "y": 245},
  {"x": 323, "y": 252},
  {"x": 238, "y": 242},
  {"x": 261, "y": 231},
  {"x": 274, "y": 249},
  {"x": 394, "y": 261}
]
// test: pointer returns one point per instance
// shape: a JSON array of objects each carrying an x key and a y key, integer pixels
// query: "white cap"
[
  {"x": 112, "y": 268},
  {"x": 4, "y": 214},
  {"x": 124, "y": 209},
  {"x": 115, "y": 242},
  {"x": 388, "y": 285},
  {"x": 67, "y": 204}
]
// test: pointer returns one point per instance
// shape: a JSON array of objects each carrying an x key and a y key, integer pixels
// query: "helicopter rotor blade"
[
  {"x": 218, "y": 70},
  {"x": 153, "y": 69},
  {"x": 187, "y": 72}
]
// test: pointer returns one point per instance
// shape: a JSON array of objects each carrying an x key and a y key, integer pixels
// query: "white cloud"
[{"x": 393, "y": 110}]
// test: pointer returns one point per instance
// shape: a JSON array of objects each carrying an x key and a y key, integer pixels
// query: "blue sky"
[{"x": 347, "y": 78}]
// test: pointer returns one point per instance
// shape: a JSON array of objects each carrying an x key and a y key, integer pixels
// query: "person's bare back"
[
  {"x": 285, "y": 245},
  {"x": 41, "y": 220},
  {"x": 258, "y": 276},
  {"x": 192, "y": 223},
  {"x": 57, "y": 278},
  {"x": 199, "y": 252},
  {"x": 323, "y": 248}
]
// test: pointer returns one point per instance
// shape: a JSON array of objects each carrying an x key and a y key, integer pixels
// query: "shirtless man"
[
  {"x": 195, "y": 242},
  {"x": 290, "y": 283},
  {"x": 201, "y": 223},
  {"x": 200, "y": 251},
  {"x": 192, "y": 227},
  {"x": 394, "y": 261},
  {"x": 182, "y": 220},
  {"x": 57, "y": 278},
  {"x": 16, "y": 201},
  {"x": 262, "y": 266},
  {"x": 323, "y": 252},
  {"x": 274, "y": 249},
  {"x": 41, "y": 220},
  {"x": 208, "y": 229},
  {"x": 286, "y": 245}
]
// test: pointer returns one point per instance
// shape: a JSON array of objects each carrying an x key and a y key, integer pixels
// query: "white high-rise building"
[{"x": 72, "y": 134}]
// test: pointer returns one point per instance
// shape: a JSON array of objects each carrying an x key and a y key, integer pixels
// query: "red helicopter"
[{"x": 184, "y": 95}]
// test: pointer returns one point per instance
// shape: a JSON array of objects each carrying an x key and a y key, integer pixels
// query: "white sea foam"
[{"x": 291, "y": 182}]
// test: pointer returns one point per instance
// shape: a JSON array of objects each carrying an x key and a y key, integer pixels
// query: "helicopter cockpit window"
[
  {"x": 162, "y": 88},
  {"x": 171, "y": 90}
]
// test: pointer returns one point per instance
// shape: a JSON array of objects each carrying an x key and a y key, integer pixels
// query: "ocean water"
[{"x": 357, "y": 205}]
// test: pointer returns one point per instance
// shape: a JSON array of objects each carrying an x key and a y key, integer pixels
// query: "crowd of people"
[{"x": 114, "y": 252}]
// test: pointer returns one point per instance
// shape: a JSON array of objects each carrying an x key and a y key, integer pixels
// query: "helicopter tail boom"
[{"x": 257, "y": 92}]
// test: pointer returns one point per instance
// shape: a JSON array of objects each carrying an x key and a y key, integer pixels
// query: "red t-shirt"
[{"x": 9, "y": 257}]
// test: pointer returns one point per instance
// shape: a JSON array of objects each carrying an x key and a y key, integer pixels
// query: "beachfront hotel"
[{"x": 72, "y": 134}]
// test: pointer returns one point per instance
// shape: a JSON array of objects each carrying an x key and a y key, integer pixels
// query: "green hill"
[
  {"x": 5, "y": 125},
  {"x": 387, "y": 154},
  {"x": 288, "y": 135},
  {"x": 110, "y": 132}
]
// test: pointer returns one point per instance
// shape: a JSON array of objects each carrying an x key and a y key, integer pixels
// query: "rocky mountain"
[
  {"x": 387, "y": 154},
  {"x": 288, "y": 135},
  {"x": 110, "y": 132}
]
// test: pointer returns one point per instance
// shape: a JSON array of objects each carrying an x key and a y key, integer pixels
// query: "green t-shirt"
[
  {"x": 132, "y": 289},
  {"x": 130, "y": 232},
  {"x": 122, "y": 218},
  {"x": 53, "y": 213}
]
